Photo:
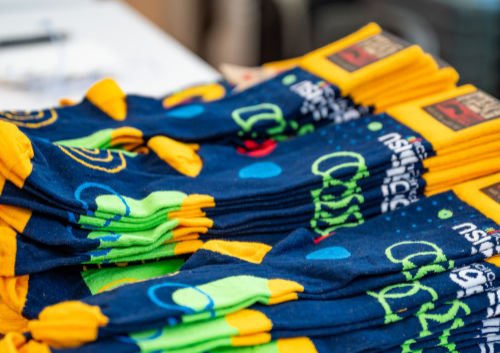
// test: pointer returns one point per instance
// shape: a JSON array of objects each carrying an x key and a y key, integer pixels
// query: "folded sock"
[
  {"x": 419, "y": 305},
  {"x": 20, "y": 295},
  {"x": 414, "y": 72},
  {"x": 334, "y": 210},
  {"x": 450, "y": 138},
  {"x": 447, "y": 244},
  {"x": 111, "y": 212},
  {"x": 290, "y": 104},
  {"x": 112, "y": 227},
  {"x": 250, "y": 327}
]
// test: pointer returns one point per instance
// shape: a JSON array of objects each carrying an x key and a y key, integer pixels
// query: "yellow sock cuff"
[
  {"x": 16, "y": 217},
  {"x": 109, "y": 98},
  {"x": 398, "y": 98},
  {"x": 246, "y": 251},
  {"x": 249, "y": 322},
  {"x": 187, "y": 247},
  {"x": 361, "y": 57},
  {"x": 250, "y": 340},
  {"x": 68, "y": 324},
  {"x": 283, "y": 290},
  {"x": 17, "y": 152},
  {"x": 482, "y": 194},
  {"x": 180, "y": 156},
  {"x": 451, "y": 118},
  {"x": 396, "y": 80},
  {"x": 14, "y": 291},
  {"x": 467, "y": 155},
  {"x": 453, "y": 176},
  {"x": 296, "y": 345},
  {"x": 8, "y": 250},
  {"x": 11, "y": 321}
]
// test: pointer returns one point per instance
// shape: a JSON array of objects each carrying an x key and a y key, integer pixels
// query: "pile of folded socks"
[
  {"x": 305, "y": 198},
  {"x": 409, "y": 286}
]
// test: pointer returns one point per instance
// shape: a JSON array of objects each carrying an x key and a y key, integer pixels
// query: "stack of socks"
[
  {"x": 426, "y": 280},
  {"x": 105, "y": 206},
  {"x": 93, "y": 224},
  {"x": 88, "y": 210},
  {"x": 96, "y": 213},
  {"x": 461, "y": 124}
]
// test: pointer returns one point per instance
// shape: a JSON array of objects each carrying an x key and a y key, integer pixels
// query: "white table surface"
[{"x": 106, "y": 37}]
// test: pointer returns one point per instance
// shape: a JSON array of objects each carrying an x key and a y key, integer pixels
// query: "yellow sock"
[
  {"x": 444, "y": 77},
  {"x": 483, "y": 195},
  {"x": 464, "y": 156},
  {"x": 409, "y": 95},
  {"x": 451, "y": 118},
  {"x": 446, "y": 179},
  {"x": 397, "y": 79},
  {"x": 361, "y": 57}
]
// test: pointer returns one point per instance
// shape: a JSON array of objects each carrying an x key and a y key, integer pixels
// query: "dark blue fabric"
[
  {"x": 200, "y": 122},
  {"x": 366, "y": 268},
  {"x": 60, "y": 190}
]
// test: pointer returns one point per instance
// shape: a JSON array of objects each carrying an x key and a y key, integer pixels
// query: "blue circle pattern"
[
  {"x": 85, "y": 205},
  {"x": 113, "y": 236},
  {"x": 330, "y": 253},
  {"x": 186, "y": 111},
  {"x": 260, "y": 170}
]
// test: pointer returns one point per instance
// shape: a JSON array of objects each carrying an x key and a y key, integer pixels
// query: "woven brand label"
[
  {"x": 368, "y": 51},
  {"x": 493, "y": 191},
  {"x": 466, "y": 110}
]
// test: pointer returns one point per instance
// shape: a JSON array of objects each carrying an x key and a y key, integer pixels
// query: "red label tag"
[
  {"x": 367, "y": 51},
  {"x": 467, "y": 110},
  {"x": 493, "y": 191}
]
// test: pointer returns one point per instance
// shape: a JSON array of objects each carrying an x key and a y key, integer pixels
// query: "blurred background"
[{"x": 465, "y": 33}]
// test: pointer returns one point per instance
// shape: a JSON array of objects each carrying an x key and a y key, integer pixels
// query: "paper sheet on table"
[{"x": 75, "y": 62}]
